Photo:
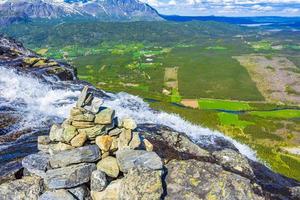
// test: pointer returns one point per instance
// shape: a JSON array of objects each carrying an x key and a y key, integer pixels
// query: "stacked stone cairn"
[{"x": 93, "y": 155}]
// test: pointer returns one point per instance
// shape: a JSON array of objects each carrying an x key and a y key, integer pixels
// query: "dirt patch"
[
  {"x": 171, "y": 77},
  {"x": 193, "y": 103},
  {"x": 276, "y": 78}
]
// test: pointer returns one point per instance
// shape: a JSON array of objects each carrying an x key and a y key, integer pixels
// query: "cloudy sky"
[{"x": 228, "y": 7}]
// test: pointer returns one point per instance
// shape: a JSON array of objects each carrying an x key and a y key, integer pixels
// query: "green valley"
[{"x": 207, "y": 72}]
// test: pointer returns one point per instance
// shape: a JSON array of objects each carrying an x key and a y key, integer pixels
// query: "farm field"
[{"x": 192, "y": 69}]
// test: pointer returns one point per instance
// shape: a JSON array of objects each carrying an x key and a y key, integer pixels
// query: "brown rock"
[{"x": 104, "y": 142}]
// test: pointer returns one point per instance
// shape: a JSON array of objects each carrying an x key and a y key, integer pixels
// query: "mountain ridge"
[{"x": 108, "y": 10}]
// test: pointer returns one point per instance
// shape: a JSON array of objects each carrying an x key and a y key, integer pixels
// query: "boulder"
[
  {"x": 79, "y": 140},
  {"x": 193, "y": 179},
  {"x": 98, "y": 181},
  {"x": 124, "y": 139},
  {"x": 129, "y": 124},
  {"x": 82, "y": 125},
  {"x": 57, "y": 195},
  {"x": 234, "y": 161},
  {"x": 69, "y": 133},
  {"x": 110, "y": 193},
  {"x": 135, "y": 141},
  {"x": 27, "y": 188},
  {"x": 80, "y": 192},
  {"x": 104, "y": 142},
  {"x": 128, "y": 159},
  {"x": 56, "y": 148},
  {"x": 69, "y": 177},
  {"x": 105, "y": 116},
  {"x": 36, "y": 163},
  {"x": 56, "y": 133},
  {"x": 78, "y": 155},
  {"x": 141, "y": 183},
  {"x": 93, "y": 132},
  {"x": 109, "y": 165}
]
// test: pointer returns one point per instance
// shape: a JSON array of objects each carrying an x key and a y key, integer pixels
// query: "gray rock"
[
  {"x": 141, "y": 183},
  {"x": 115, "y": 132},
  {"x": 27, "y": 188},
  {"x": 36, "y": 163},
  {"x": 77, "y": 111},
  {"x": 98, "y": 181},
  {"x": 69, "y": 177},
  {"x": 80, "y": 192},
  {"x": 135, "y": 141},
  {"x": 56, "y": 133},
  {"x": 128, "y": 159},
  {"x": 95, "y": 105},
  {"x": 69, "y": 133},
  {"x": 82, "y": 124},
  {"x": 234, "y": 161},
  {"x": 109, "y": 165},
  {"x": 78, "y": 155},
  {"x": 86, "y": 117},
  {"x": 57, "y": 195},
  {"x": 124, "y": 139},
  {"x": 82, "y": 97},
  {"x": 93, "y": 132},
  {"x": 56, "y": 148},
  {"x": 105, "y": 116},
  {"x": 193, "y": 179},
  {"x": 43, "y": 147},
  {"x": 128, "y": 123}
]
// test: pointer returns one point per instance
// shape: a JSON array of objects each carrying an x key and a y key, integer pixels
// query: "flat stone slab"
[
  {"x": 85, "y": 154},
  {"x": 128, "y": 159},
  {"x": 69, "y": 177},
  {"x": 57, "y": 195},
  {"x": 36, "y": 163}
]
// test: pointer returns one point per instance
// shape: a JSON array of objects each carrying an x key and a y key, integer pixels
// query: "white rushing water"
[{"x": 40, "y": 102}]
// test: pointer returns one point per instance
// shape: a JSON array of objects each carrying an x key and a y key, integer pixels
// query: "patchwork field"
[{"x": 277, "y": 78}]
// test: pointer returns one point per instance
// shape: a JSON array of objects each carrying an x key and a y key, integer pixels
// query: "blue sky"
[{"x": 227, "y": 7}]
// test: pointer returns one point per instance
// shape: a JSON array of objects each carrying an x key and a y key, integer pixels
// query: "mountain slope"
[{"x": 104, "y": 10}]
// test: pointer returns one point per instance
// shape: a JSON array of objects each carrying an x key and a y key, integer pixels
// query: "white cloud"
[{"x": 230, "y": 7}]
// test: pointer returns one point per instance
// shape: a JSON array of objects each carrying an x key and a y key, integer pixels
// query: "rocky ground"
[{"x": 95, "y": 155}]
